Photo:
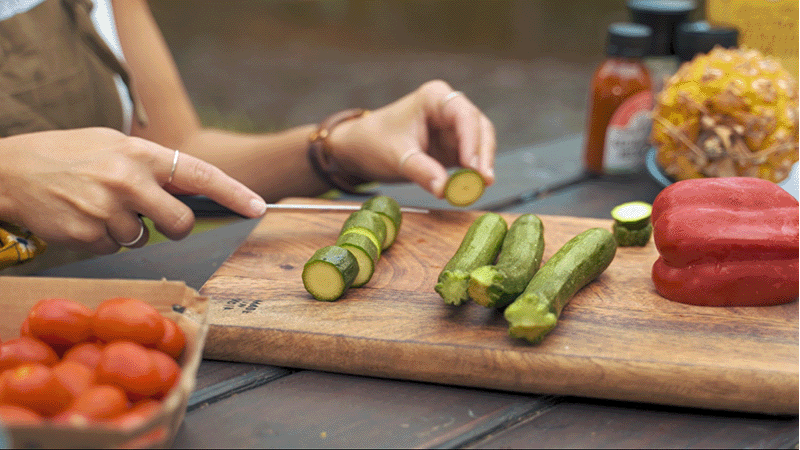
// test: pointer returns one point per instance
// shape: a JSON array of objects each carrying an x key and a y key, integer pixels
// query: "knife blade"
[{"x": 326, "y": 207}]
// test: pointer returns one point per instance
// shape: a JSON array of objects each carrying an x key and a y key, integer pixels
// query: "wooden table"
[{"x": 243, "y": 405}]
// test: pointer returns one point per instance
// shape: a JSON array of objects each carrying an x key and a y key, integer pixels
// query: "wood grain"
[{"x": 617, "y": 339}]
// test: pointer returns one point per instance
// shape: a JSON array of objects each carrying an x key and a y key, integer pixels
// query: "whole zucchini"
[
  {"x": 535, "y": 312},
  {"x": 479, "y": 247},
  {"x": 495, "y": 286}
]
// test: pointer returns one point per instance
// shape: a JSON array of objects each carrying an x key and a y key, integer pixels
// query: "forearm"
[{"x": 274, "y": 165}]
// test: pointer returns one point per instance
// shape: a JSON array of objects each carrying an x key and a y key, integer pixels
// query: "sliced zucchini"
[
  {"x": 390, "y": 212},
  {"x": 496, "y": 286},
  {"x": 366, "y": 253},
  {"x": 329, "y": 273},
  {"x": 464, "y": 187},
  {"x": 632, "y": 225},
  {"x": 582, "y": 259},
  {"x": 479, "y": 247},
  {"x": 632, "y": 238},
  {"x": 366, "y": 222}
]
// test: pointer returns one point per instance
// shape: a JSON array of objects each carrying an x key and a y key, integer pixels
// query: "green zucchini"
[
  {"x": 390, "y": 212},
  {"x": 464, "y": 187},
  {"x": 368, "y": 223},
  {"x": 329, "y": 273},
  {"x": 495, "y": 286},
  {"x": 366, "y": 253},
  {"x": 479, "y": 247},
  {"x": 632, "y": 226},
  {"x": 535, "y": 312}
]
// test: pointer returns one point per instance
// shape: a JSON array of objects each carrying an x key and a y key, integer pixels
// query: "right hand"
[{"x": 85, "y": 188}]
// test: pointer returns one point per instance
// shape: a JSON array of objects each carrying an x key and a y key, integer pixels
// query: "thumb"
[{"x": 421, "y": 168}]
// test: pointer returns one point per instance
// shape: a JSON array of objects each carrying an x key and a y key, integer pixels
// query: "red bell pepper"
[{"x": 726, "y": 242}]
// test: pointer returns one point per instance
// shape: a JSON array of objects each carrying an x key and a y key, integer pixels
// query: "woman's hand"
[
  {"x": 416, "y": 138},
  {"x": 86, "y": 188}
]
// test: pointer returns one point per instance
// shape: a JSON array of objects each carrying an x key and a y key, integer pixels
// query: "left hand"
[{"x": 417, "y": 138}]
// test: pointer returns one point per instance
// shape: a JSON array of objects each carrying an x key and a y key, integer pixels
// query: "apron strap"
[{"x": 82, "y": 10}]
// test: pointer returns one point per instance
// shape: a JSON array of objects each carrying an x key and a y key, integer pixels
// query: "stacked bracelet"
[{"x": 323, "y": 162}]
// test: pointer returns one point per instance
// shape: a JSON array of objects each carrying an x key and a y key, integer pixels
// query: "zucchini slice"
[
  {"x": 464, "y": 187},
  {"x": 582, "y": 259},
  {"x": 632, "y": 225},
  {"x": 496, "y": 286},
  {"x": 479, "y": 247},
  {"x": 366, "y": 253},
  {"x": 368, "y": 223},
  {"x": 390, "y": 212},
  {"x": 329, "y": 273}
]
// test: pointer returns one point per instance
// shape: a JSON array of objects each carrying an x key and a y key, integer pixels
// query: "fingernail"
[
  {"x": 437, "y": 184},
  {"x": 258, "y": 207},
  {"x": 490, "y": 172}
]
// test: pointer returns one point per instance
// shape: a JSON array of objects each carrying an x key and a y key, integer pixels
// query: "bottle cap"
[
  {"x": 663, "y": 16},
  {"x": 629, "y": 40},
  {"x": 700, "y": 37}
]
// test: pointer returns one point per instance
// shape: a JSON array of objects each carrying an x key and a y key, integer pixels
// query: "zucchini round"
[
  {"x": 464, "y": 187},
  {"x": 329, "y": 273},
  {"x": 366, "y": 222},
  {"x": 535, "y": 312},
  {"x": 479, "y": 247},
  {"x": 390, "y": 212},
  {"x": 366, "y": 253},
  {"x": 496, "y": 286},
  {"x": 632, "y": 238},
  {"x": 632, "y": 215}
]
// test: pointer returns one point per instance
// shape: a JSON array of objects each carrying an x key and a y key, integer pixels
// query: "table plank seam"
[{"x": 224, "y": 389}]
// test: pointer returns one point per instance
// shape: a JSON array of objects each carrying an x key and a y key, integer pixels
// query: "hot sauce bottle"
[{"x": 621, "y": 99}]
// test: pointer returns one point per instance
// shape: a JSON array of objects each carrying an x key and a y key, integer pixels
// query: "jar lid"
[
  {"x": 700, "y": 37},
  {"x": 629, "y": 40},
  {"x": 663, "y": 16}
]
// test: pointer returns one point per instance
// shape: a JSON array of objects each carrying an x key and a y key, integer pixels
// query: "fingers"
[
  {"x": 424, "y": 170},
  {"x": 128, "y": 230}
]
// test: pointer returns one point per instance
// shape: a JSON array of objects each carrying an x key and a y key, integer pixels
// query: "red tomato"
[
  {"x": 11, "y": 415},
  {"x": 130, "y": 366},
  {"x": 86, "y": 353},
  {"x": 35, "y": 386},
  {"x": 96, "y": 403},
  {"x": 75, "y": 376},
  {"x": 128, "y": 319},
  {"x": 25, "y": 329},
  {"x": 60, "y": 323},
  {"x": 168, "y": 372},
  {"x": 173, "y": 341},
  {"x": 25, "y": 349},
  {"x": 137, "y": 416}
]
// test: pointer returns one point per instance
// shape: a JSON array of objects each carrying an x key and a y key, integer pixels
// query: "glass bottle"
[{"x": 621, "y": 99}]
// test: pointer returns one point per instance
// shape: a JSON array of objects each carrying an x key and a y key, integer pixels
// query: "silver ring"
[
  {"x": 174, "y": 165},
  {"x": 408, "y": 154},
  {"x": 449, "y": 97},
  {"x": 141, "y": 233}
]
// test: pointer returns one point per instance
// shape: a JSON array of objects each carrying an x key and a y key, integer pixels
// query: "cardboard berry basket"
[{"x": 173, "y": 299}]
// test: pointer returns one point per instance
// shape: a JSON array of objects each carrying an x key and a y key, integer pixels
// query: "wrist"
[{"x": 330, "y": 165}]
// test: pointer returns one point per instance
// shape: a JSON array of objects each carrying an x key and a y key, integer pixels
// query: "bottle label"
[{"x": 628, "y": 135}]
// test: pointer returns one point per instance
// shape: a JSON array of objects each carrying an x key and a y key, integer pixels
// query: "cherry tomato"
[
  {"x": 11, "y": 415},
  {"x": 60, "y": 323},
  {"x": 25, "y": 349},
  {"x": 130, "y": 366},
  {"x": 173, "y": 341},
  {"x": 137, "y": 415},
  {"x": 25, "y": 329},
  {"x": 76, "y": 377},
  {"x": 130, "y": 319},
  {"x": 99, "y": 402},
  {"x": 35, "y": 386},
  {"x": 168, "y": 372},
  {"x": 86, "y": 353}
]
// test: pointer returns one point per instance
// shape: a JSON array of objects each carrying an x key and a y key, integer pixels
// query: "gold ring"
[
  {"x": 449, "y": 97},
  {"x": 141, "y": 233},
  {"x": 408, "y": 154},
  {"x": 174, "y": 165}
]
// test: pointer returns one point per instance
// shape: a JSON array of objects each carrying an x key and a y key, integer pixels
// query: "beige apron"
[{"x": 56, "y": 72}]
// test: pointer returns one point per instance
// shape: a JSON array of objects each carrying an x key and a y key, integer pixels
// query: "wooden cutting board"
[{"x": 617, "y": 339}]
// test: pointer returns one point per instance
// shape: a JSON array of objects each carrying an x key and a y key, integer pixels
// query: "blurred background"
[{"x": 261, "y": 65}]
